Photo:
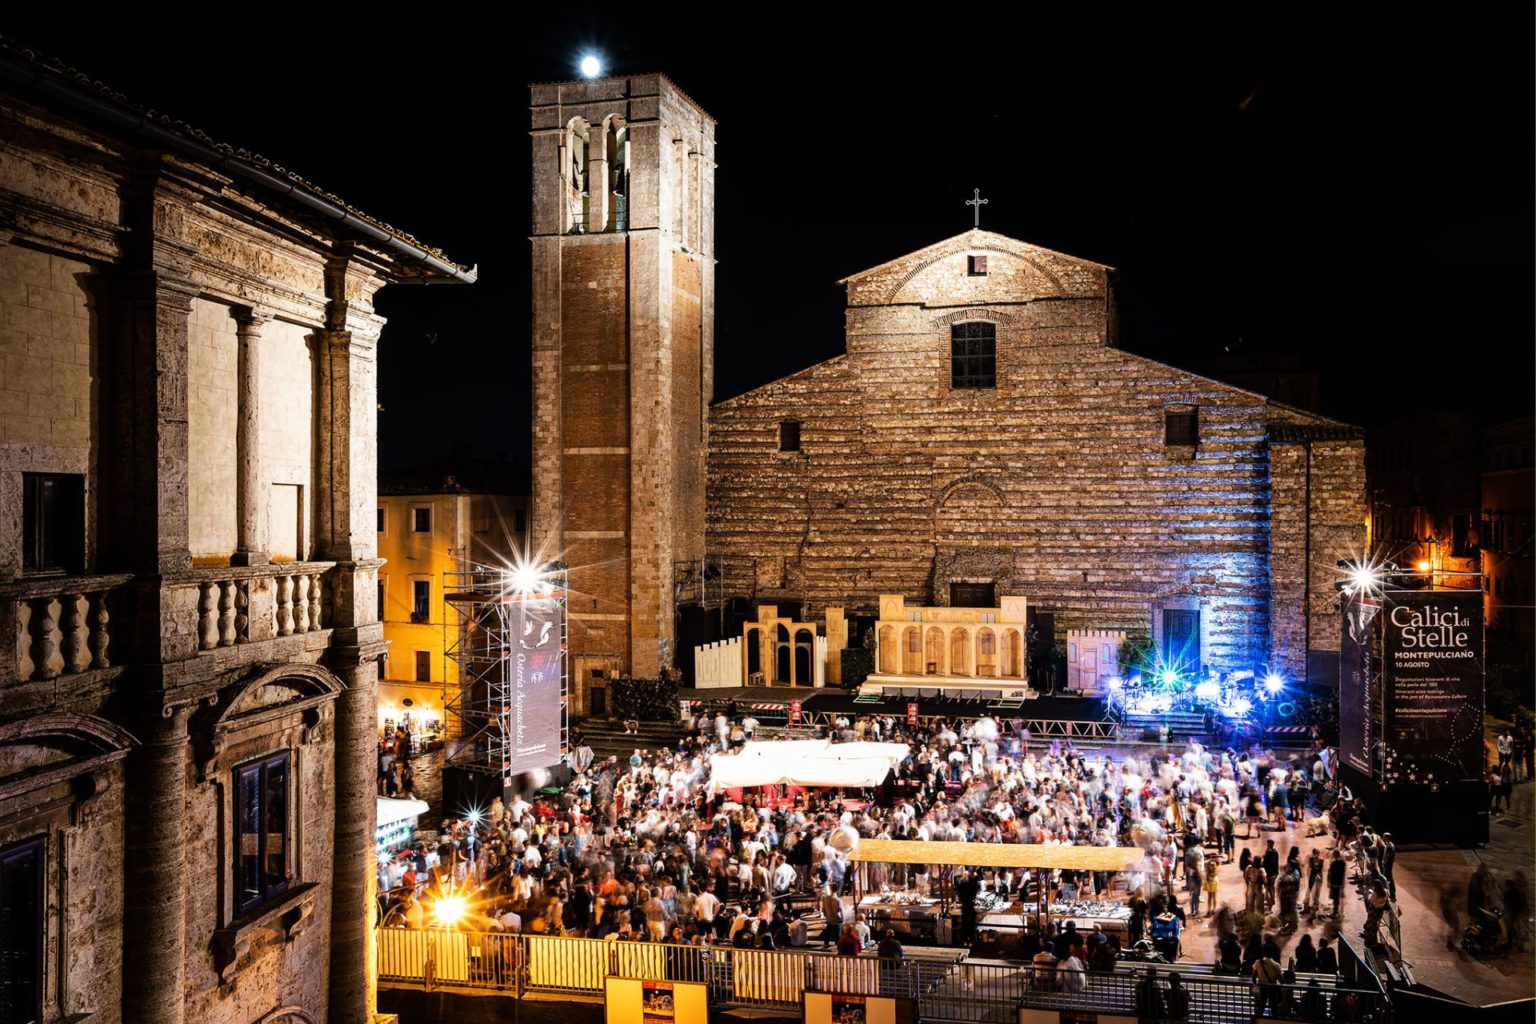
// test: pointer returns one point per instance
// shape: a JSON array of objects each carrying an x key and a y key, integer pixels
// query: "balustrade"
[
  {"x": 298, "y": 607},
  {"x": 63, "y": 625}
]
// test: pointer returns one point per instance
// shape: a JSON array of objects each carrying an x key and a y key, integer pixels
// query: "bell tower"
[{"x": 623, "y": 359}]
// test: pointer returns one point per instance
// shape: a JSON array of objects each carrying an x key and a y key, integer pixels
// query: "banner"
[
  {"x": 1432, "y": 713},
  {"x": 1356, "y": 678},
  {"x": 534, "y": 677}
]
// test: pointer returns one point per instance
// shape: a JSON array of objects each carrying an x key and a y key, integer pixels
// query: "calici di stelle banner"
[
  {"x": 1432, "y": 686},
  {"x": 532, "y": 723}
]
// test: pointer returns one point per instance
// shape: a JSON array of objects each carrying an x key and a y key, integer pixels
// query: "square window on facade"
[
  {"x": 421, "y": 600},
  {"x": 381, "y": 519},
  {"x": 261, "y": 832},
  {"x": 973, "y": 355},
  {"x": 976, "y": 266},
  {"x": 789, "y": 435},
  {"x": 53, "y": 522},
  {"x": 423, "y": 666},
  {"x": 421, "y": 520},
  {"x": 1181, "y": 425}
]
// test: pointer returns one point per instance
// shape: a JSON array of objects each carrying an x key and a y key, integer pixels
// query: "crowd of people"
[{"x": 646, "y": 848}]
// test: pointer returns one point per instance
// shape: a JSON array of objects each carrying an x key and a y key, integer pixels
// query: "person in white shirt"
[
  {"x": 749, "y": 726},
  {"x": 705, "y": 907}
]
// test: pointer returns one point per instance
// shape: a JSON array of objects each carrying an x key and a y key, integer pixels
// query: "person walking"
[
  {"x": 1315, "y": 871},
  {"x": 1266, "y": 985},
  {"x": 1337, "y": 872}
]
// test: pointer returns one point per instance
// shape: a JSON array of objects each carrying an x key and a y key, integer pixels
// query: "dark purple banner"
[
  {"x": 534, "y": 679},
  {"x": 1432, "y": 646},
  {"x": 1356, "y": 683}
]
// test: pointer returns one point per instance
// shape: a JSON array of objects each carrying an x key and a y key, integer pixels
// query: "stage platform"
[{"x": 1076, "y": 718}]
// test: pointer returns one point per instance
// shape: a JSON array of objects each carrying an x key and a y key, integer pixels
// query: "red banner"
[
  {"x": 794, "y": 712},
  {"x": 912, "y": 713}
]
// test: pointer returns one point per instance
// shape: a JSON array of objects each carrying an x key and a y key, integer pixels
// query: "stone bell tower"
[{"x": 623, "y": 359}]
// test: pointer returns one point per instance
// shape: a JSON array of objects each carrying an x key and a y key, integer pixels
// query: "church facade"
[{"x": 982, "y": 436}]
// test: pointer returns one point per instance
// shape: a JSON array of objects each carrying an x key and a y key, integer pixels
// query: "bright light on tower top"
[{"x": 591, "y": 67}]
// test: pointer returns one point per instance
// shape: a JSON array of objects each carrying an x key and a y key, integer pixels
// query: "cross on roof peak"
[{"x": 978, "y": 203}]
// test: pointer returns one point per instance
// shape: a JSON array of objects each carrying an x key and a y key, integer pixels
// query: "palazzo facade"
[{"x": 188, "y": 570}]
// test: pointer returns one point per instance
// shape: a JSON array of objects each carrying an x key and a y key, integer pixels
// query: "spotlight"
[
  {"x": 449, "y": 910},
  {"x": 1423, "y": 565},
  {"x": 1241, "y": 707},
  {"x": 1208, "y": 691},
  {"x": 591, "y": 67},
  {"x": 1273, "y": 683},
  {"x": 473, "y": 816},
  {"x": 1114, "y": 682},
  {"x": 525, "y": 578},
  {"x": 1168, "y": 677}
]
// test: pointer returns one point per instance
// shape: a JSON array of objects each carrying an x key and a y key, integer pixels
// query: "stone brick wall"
[
  {"x": 212, "y": 415},
  {"x": 1057, "y": 485},
  {"x": 46, "y": 354}
]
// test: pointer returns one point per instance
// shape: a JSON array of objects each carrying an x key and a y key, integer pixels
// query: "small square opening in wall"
[
  {"x": 421, "y": 520},
  {"x": 1181, "y": 425},
  {"x": 789, "y": 435},
  {"x": 976, "y": 266}
]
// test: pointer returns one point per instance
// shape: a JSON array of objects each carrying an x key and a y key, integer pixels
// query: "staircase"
[{"x": 607, "y": 738}]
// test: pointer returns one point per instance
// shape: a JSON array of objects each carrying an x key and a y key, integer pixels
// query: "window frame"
[
  {"x": 1181, "y": 412},
  {"x": 383, "y": 521},
  {"x": 274, "y": 892},
  {"x": 789, "y": 445},
  {"x": 61, "y": 550},
  {"x": 420, "y": 613},
  {"x": 973, "y": 370},
  {"x": 416, "y": 511},
  {"x": 976, "y": 265},
  {"x": 423, "y": 658}
]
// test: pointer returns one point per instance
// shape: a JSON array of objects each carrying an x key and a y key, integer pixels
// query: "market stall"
[
  {"x": 920, "y": 914},
  {"x": 393, "y": 834}
]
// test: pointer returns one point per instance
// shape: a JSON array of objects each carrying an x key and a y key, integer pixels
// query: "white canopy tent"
[{"x": 807, "y": 763}]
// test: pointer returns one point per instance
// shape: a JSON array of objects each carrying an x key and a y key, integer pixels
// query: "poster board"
[
  {"x": 1033, "y": 1015},
  {"x": 649, "y": 1001},
  {"x": 1357, "y": 681},
  {"x": 1432, "y": 708},
  {"x": 847, "y": 1008}
]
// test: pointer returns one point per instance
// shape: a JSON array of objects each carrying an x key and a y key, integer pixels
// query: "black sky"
[{"x": 1348, "y": 186}]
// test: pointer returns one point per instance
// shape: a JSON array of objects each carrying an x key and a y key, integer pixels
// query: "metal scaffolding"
[{"x": 491, "y": 653}]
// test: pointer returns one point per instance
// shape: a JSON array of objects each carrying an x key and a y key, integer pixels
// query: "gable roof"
[{"x": 975, "y": 238}]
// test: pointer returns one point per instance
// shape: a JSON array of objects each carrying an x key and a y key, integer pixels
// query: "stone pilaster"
[
  {"x": 353, "y": 984},
  {"x": 253, "y": 545},
  {"x": 155, "y": 873}
]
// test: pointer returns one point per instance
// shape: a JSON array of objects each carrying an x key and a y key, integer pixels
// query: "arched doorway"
[
  {"x": 805, "y": 655},
  {"x": 960, "y": 653},
  {"x": 1013, "y": 655},
  {"x": 754, "y": 642},
  {"x": 912, "y": 651},
  {"x": 986, "y": 653},
  {"x": 933, "y": 652},
  {"x": 781, "y": 655},
  {"x": 890, "y": 655}
]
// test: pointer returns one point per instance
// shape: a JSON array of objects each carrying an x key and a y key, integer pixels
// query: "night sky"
[{"x": 1347, "y": 187}]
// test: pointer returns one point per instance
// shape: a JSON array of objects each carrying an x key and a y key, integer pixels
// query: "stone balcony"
[{"x": 80, "y": 629}]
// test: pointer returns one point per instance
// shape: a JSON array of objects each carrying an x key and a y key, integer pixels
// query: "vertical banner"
[
  {"x": 1432, "y": 710},
  {"x": 1356, "y": 669},
  {"x": 533, "y": 720},
  {"x": 794, "y": 712},
  {"x": 912, "y": 713}
]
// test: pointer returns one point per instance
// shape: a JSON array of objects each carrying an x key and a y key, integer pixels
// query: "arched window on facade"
[
  {"x": 890, "y": 654},
  {"x": 617, "y": 143},
  {"x": 933, "y": 652},
  {"x": 912, "y": 655},
  {"x": 573, "y": 172},
  {"x": 1013, "y": 655},
  {"x": 973, "y": 355}
]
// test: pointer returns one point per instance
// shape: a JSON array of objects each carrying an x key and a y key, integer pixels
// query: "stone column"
[
  {"x": 253, "y": 546},
  {"x": 353, "y": 984},
  {"x": 155, "y": 873}
]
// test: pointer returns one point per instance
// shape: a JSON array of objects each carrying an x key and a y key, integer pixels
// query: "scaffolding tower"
[{"x": 510, "y": 648}]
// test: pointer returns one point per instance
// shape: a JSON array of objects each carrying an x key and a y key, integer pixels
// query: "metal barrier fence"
[{"x": 947, "y": 988}]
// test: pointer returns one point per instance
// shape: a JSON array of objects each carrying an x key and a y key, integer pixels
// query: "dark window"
[
  {"x": 53, "y": 522},
  {"x": 261, "y": 832},
  {"x": 381, "y": 598},
  {"x": 973, "y": 595},
  {"x": 1181, "y": 425},
  {"x": 421, "y": 600},
  {"x": 1181, "y": 640},
  {"x": 976, "y": 266},
  {"x": 597, "y": 673},
  {"x": 973, "y": 355},
  {"x": 421, "y": 520},
  {"x": 21, "y": 931},
  {"x": 521, "y": 519},
  {"x": 381, "y": 520},
  {"x": 423, "y": 666},
  {"x": 789, "y": 435}
]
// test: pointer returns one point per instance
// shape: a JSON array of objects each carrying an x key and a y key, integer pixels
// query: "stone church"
[
  {"x": 983, "y": 435},
  {"x": 188, "y": 569}
]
